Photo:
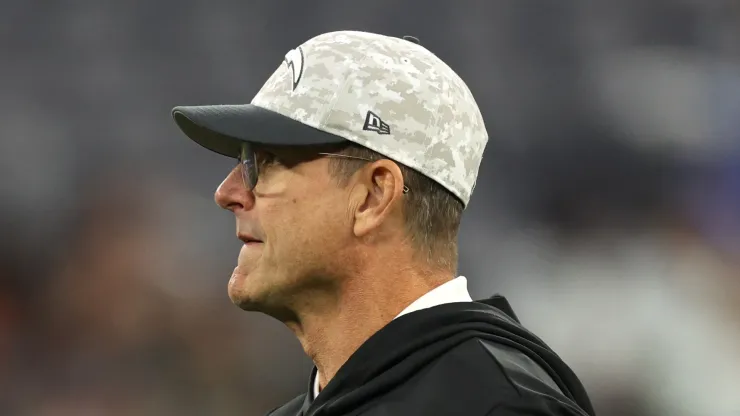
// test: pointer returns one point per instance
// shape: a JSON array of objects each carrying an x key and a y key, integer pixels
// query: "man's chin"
[
  {"x": 246, "y": 294},
  {"x": 262, "y": 304},
  {"x": 247, "y": 304},
  {"x": 246, "y": 301},
  {"x": 239, "y": 290}
]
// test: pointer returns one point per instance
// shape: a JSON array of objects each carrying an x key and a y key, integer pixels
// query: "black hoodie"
[{"x": 464, "y": 358}]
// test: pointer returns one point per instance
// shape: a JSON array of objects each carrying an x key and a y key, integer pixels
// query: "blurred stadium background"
[{"x": 607, "y": 208}]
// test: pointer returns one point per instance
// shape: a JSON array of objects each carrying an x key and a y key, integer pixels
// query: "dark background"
[{"x": 607, "y": 207}]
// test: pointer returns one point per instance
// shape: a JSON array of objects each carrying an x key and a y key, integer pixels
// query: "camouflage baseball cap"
[{"x": 388, "y": 94}]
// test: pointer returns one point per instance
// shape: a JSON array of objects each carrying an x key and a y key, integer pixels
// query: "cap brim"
[{"x": 223, "y": 128}]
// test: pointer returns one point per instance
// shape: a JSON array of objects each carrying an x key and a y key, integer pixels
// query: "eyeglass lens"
[{"x": 248, "y": 166}]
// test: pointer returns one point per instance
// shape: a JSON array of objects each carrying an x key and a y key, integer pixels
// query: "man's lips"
[{"x": 248, "y": 239}]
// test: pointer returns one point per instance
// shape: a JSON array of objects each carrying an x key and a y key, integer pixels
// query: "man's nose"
[{"x": 232, "y": 194}]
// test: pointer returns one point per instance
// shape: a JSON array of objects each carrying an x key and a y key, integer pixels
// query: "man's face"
[{"x": 295, "y": 226}]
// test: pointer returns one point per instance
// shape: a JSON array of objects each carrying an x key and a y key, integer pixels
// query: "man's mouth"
[{"x": 248, "y": 239}]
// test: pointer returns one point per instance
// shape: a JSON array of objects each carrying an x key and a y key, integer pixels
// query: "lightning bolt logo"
[{"x": 294, "y": 60}]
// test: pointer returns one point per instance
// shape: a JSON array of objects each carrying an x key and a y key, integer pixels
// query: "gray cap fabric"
[{"x": 388, "y": 94}]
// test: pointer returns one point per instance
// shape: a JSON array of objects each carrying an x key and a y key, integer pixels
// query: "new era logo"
[{"x": 374, "y": 123}]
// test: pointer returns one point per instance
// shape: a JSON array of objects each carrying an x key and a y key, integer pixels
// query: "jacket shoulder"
[
  {"x": 529, "y": 384},
  {"x": 518, "y": 368}
]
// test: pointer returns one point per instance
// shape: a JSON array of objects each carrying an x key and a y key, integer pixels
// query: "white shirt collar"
[{"x": 456, "y": 290}]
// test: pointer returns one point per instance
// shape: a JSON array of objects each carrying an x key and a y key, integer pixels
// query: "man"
[{"x": 355, "y": 162}]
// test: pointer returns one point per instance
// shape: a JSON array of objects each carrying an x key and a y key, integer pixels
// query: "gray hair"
[{"x": 432, "y": 213}]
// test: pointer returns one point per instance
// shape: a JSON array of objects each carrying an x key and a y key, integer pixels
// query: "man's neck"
[{"x": 332, "y": 332}]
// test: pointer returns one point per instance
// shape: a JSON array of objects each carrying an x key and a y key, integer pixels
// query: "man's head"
[{"x": 359, "y": 149}]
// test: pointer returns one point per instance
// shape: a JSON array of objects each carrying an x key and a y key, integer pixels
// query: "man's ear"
[{"x": 376, "y": 196}]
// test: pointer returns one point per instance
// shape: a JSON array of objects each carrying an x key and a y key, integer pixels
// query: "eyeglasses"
[{"x": 250, "y": 168}]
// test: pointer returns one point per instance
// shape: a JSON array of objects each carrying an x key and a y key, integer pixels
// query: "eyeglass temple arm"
[{"x": 405, "y": 188}]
